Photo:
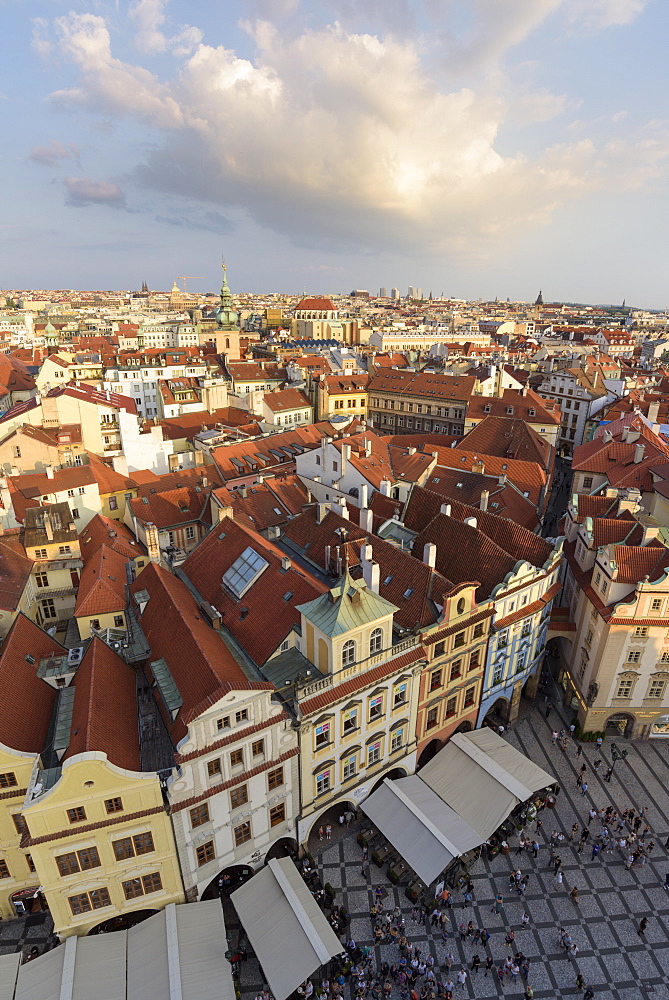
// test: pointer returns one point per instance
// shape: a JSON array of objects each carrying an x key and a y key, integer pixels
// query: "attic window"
[
  {"x": 30, "y": 659},
  {"x": 221, "y": 536},
  {"x": 145, "y": 500},
  {"x": 460, "y": 485},
  {"x": 288, "y": 596},
  {"x": 435, "y": 480},
  {"x": 408, "y": 592},
  {"x": 387, "y": 580},
  {"x": 277, "y": 511},
  {"x": 244, "y": 572}
]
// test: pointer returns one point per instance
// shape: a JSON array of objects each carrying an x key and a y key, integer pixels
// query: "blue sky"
[{"x": 478, "y": 148}]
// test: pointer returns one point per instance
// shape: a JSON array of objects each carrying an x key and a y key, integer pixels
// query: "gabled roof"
[
  {"x": 508, "y": 437},
  {"x": 345, "y": 606},
  {"x": 527, "y": 476},
  {"x": 411, "y": 383},
  {"x": 15, "y": 568},
  {"x": 252, "y": 457},
  {"x": 102, "y": 584},
  {"x": 264, "y": 616},
  {"x": 102, "y": 530},
  {"x": 27, "y": 702},
  {"x": 504, "y": 499},
  {"x": 286, "y": 399},
  {"x": 172, "y": 508},
  {"x": 530, "y": 407},
  {"x": 635, "y": 562},
  {"x": 199, "y": 661},
  {"x": 266, "y": 504},
  {"x": 312, "y": 305},
  {"x": 104, "y": 716},
  {"x": 99, "y": 397}
]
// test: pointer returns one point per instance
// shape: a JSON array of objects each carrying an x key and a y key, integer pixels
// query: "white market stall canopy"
[
  {"x": 483, "y": 778},
  {"x": 285, "y": 925},
  {"x": 177, "y": 954},
  {"x": 424, "y": 829}
]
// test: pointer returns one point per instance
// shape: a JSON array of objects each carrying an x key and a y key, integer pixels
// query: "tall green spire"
[{"x": 226, "y": 316}]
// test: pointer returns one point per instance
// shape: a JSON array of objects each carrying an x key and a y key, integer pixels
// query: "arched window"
[
  {"x": 348, "y": 653},
  {"x": 376, "y": 641},
  {"x": 461, "y": 606}
]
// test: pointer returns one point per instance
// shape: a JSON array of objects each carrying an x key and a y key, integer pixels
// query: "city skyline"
[{"x": 470, "y": 152}]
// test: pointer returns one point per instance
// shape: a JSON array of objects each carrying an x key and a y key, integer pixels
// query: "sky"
[{"x": 473, "y": 148}]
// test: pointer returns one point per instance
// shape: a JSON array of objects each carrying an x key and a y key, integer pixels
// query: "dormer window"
[{"x": 348, "y": 653}]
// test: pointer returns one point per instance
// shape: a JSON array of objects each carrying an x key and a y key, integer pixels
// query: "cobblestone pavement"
[
  {"x": 614, "y": 960},
  {"x": 24, "y": 933}
]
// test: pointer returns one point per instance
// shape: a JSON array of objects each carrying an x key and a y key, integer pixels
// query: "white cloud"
[
  {"x": 81, "y": 192},
  {"x": 150, "y": 16},
  {"x": 335, "y": 138},
  {"x": 596, "y": 15},
  {"x": 54, "y": 151}
]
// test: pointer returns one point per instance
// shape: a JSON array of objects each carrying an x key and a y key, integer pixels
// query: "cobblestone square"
[{"x": 612, "y": 957}]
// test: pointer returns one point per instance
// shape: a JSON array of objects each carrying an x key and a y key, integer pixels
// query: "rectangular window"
[
  {"x": 641, "y": 631},
  {"x": 456, "y": 670},
  {"x": 236, "y": 758},
  {"x": 20, "y": 824},
  {"x": 634, "y": 656},
  {"x": 242, "y": 834},
  {"x": 322, "y": 735},
  {"x": 30, "y": 863},
  {"x": 277, "y": 814},
  {"x": 239, "y": 796},
  {"x": 439, "y": 648},
  {"x": 214, "y": 767},
  {"x": 474, "y": 661},
  {"x": 431, "y": 719},
  {"x": 241, "y": 716},
  {"x": 48, "y": 608},
  {"x": 469, "y": 696},
  {"x": 624, "y": 688},
  {"x": 8, "y": 780},
  {"x": 205, "y": 853},
  {"x": 76, "y": 815},
  {"x": 665, "y": 656},
  {"x": 502, "y": 640},
  {"x": 80, "y": 903},
  {"x": 435, "y": 680},
  {"x": 68, "y": 864},
  {"x": 152, "y": 883},
  {"x": 526, "y": 629},
  {"x": 349, "y": 768},
  {"x": 99, "y": 898},
  {"x": 656, "y": 689},
  {"x": 450, "y": 708},
  {"x": 190, "y": 532},
  {"x": 275, "y": 778},
  {"x": 656, "y": 604},
  {"x": 41, "y": 579},
  {"x": 587, "y": 482},
  {"x": 40, "y": 553},
  {"x": 123, "y": 849},
  {"x": 350, "y": 723},
  {"x": 113, "y": 503},
  {"x": 114, "y": 805},
  {"x": 222, "y": 724},
  {"x": 376, "y": 708},
  {"x": 88, "y": 858},
  {"x": 396, "y": 740},
  {"x": 199, "y": 815},
  {"x": 143, "y": 843},
  {"x": 374, "y": 753},
  {"x": 258, "y": 748},
  {"x": 459, "y": 640},
  {"x": 322, "y": 782},
  {"x": 478, "y": 630}
]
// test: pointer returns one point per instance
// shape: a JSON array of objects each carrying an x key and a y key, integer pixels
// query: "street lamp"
[{"x": 617, "y": 753}]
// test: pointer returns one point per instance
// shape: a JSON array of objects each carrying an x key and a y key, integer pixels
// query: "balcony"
[{"x": 359, "y": 667}]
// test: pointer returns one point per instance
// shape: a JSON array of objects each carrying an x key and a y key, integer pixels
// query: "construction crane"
[{"x": 188, "y": 277}]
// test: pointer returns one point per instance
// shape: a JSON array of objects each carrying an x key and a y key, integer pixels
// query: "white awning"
[
  {"x": 285, "y": 925},
  {"x": 426, "y": 831},
  {"x": 41, "y": 978},
  {"x": 9, "y": 968},
  {"x": 100, "y": 959},
  {"x": 148, "y": 971},
  {"x": 483, "y": 778},
  {"x": 205, "y": 972}
]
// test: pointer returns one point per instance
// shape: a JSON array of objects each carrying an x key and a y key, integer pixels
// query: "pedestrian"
[
  {"x": 574, "y": 894},
  {"x": 497, "y": 905},
  {"x": 642, "y": 927},
  {"x": 489, "y": 962},
  {"x": 558, "y": 880},
  {"x": 548, "y": 711},
  {"x": 579, "y": 781},
  {"x": 579, "y": 750},
  {"x": 554, "y": 736},
  {"x": 525, "y": 919},
  {"x": 500, "y": 730},
  {"x": 521, "y": 845},
  {"x": 589, "y": 993},
  {"x": 584, "y": 788},
  {"x": 476, "y": 962},
  {"x": 342, "y": 820},
  {"x": 599, "y": 742},
  {"x": 580, "y": 981},
  {"x": 535, "y": 848},
  {"x": 485, "y": 937},
  {"x": 574, "y": 831},
  {"x": 363, "y": 868},
  {"x": 321, "y": 832},
  {"x": 328, "y": 832},
  {"x": 609, "y": 772},
  {"x": 596, "y": 848},
  {"x": 462, "y": 977},
  {"x": 572, "y": 729}
]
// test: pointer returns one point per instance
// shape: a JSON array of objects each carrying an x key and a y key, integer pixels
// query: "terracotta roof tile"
[
  {"x": 102, "y": 530},
  {"x": 286, "y": 399},
  {"x": 171, "y": 508},
  {"x": 15, "y": 569},
  {"x": 27, "y": 701},
  {"x": 508, "y": 437},
  {"x": 102, "y": 584}
]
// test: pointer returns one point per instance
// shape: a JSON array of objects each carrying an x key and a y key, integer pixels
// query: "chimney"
[
  {"x": 366, "y": 553},
  {"x": 502, "y": 479},
  {"x": 653, "y": 412},
  {"x": 445, "y": 509},
  {"x": 639, "y": 450},
  {"x": 366, "y": 519},
  {"x": 368, "y": 447},
  {"x": 430, "y": 554},
  {"x": 364, "y": 495},
  {"x": 340, "y": 508},
  {"x": 321, "y": 511},
  {"x": 471, "y": 521},
  {"x": 412, "y": 450},
  {"x": 48, "y": 527},
  {"x": 345, "y": 452},
  {"x": 274, "y": 533},
  {"x": 385, "y": 488},
  {"x": 483, "y": 505},
  {"x": 608, "y": 437},
  {"x": 242, "y": 492},
  {"x": 650, "y": 533},
  {"x": 478, "y": 466},
  {"x": 285, "y": 564},
  {"x": 49, "y": 471},
  {"x": 371, "y": 572}
]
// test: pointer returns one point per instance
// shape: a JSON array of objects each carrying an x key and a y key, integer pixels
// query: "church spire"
[{"x": 226, "y": 315}]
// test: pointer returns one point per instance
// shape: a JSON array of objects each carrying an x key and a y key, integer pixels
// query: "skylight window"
[
  {"x": 408, "y": 593},
  {"x": 387, "y": 580},
  {"x": 244, "y": 572}
]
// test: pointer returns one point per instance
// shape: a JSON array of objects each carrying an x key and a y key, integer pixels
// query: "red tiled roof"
[
  {"x": 102, "y": 584},
  {"x": 505, "y": 499},
  {"x": 27, "y": 701},
  {"x": 104, "y": 715},
  {"x": 100, "y": 397},
  {"x": 530, "y": 408},
  {"x": 430, "y": 386},
  {"x": 172, "y": 508},
  {"x": 313, "y": 305},
  {"x": 102, "y": 530},
  {"x": 527, "y": 476},
  {"x": 286, "y": 399},
  {"x": 200, "y": 662},
  {"x": 508, "y": 437},
  {"x": 262, "y": 618},
  {"x": 635, "y": 562},
  {"x": 273, "y": 502},
  {"x": 235, "y": 460},
  {"x": 15, "y": 568}
]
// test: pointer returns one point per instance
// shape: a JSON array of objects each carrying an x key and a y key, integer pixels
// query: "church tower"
[{"x": 226, "y": 316}]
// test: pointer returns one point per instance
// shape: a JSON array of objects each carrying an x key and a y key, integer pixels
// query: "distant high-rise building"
[
  {"x": 383, "y": 293},
  {"x": 410, "y": 292},
  {"x": 395, "y": 294},
  {"x": 418, "y": 293}
]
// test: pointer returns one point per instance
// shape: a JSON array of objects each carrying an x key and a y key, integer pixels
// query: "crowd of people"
[{"x": 412, "y": 971}]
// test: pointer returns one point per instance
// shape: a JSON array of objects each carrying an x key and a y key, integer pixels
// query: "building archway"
[
  {"x": 230, "y": 879},
  {"x": 464, "y": 727},
  {"x": 660, "y": 727},
  {"x": 28, "y": 901},
  {"x": 498, "y": 713},
  {"x": 393, "y": 774},
  {"x": 122, "y": 922},
  {"x": 620, "y": 724},
  {"x": 286, "y": 847},
  {"x": 429, "y": 751}
]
